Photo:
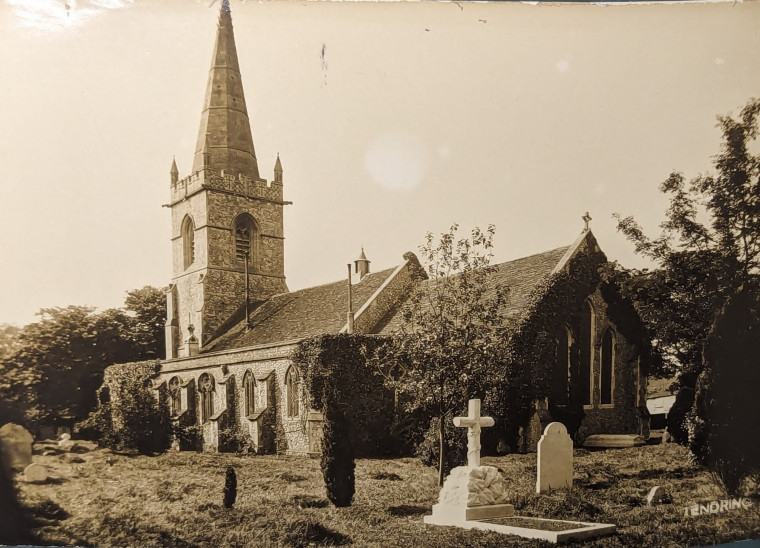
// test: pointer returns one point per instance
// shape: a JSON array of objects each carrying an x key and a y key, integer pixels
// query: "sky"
[{"x": 391, "y": 120}]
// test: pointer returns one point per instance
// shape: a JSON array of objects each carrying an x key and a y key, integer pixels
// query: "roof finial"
[
  {"x": 586, "y": 219},
  {"x": 225, "y": 5}
]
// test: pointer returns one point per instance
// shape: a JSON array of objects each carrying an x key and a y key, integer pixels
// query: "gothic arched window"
[
  {"x": 206, "y": 392},
  {"x": 246, "y": 238},
  {"x": 607, "y": 373},
  {"x": 175, "y": 400},
  {"x": 560, "y": 390},
  {"x": 249, "y": 385},
  {"x": 292, "y": 382},
  {"x": 586, "y": 347},
  {"x": 188, "y": 241}
]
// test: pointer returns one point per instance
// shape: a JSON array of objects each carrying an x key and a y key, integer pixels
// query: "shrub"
[
  {"x": 724, "y": 423},
  {"x": 230, "y": 487},
  {"x": 337, "y": 460},
  {"x": 455, "y": 451},
  {"x": 130, "y": 417}
]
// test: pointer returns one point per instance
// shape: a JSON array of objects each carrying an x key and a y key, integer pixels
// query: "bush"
[
  {"x": 337, "y": 460},
  {"x": 456, "y": 446},
  {"x": 130, "y": 417},
  {"x": 724, "y": 424},
  {"x": 230, "y": 487}
]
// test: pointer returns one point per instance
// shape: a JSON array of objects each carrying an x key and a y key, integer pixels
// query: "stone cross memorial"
[
  {"x": 472, "y": 491},
  {"x": 473, "y": 422},
  {"x": 555, "y": 459}
]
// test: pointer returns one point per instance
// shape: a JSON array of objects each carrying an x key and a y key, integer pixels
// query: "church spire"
[{"x": 225, "y": 129}]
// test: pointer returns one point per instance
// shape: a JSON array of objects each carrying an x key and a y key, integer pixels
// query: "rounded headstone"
[
  {"x": 15, "y": 446},
  {"x": 555, "y": 429},
  {"x": 35, "y": 473},
  {"x": 656, "y": 495},
  {"x": 64, "y": 438},
  {"x": 666, "y": 437}
]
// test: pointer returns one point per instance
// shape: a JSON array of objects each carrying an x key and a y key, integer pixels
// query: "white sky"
[{"x": 420, "y": 115}]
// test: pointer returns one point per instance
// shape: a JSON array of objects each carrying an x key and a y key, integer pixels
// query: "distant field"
[{"x": 176, "y": 500}]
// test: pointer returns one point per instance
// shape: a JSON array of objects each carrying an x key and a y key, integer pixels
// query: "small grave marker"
[
  {"x": 35, "y": 473},
  {"x": 555, "y": 459},
  {"x": 656, "y": 495},
  {"x": 15, "y": 446}
]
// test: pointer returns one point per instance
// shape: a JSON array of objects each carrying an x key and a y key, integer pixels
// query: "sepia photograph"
[{"x": 284, "y": 273}]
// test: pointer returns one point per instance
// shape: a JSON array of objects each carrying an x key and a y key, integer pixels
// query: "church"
[{"x": 232, "y": 323}]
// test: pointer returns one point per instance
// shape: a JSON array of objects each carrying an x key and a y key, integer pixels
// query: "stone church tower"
[{"x": 223, "y": 214}]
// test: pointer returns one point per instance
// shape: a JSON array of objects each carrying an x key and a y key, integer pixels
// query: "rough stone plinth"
[{"x": 471, "y": 493}]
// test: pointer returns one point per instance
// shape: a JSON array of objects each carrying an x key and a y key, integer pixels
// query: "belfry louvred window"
[{"x": 245, "y": 238}]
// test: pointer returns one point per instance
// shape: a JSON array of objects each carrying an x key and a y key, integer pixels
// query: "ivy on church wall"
[
  {"x": 336, "y": 375},
  {"x": 133, "y": 416}
]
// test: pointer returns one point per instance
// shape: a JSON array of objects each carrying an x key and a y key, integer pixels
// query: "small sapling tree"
[{"x": 452, "y": 334}]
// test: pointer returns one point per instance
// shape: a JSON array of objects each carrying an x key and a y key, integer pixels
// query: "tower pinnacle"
[{"x": 225, "y": 129}]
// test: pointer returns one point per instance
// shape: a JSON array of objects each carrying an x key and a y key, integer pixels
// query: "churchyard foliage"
[
  {"x": 51, "y": 372},
  {"x": 129, "y": 416},
  {"x": 708, "y": 247},
  {"x": 357, "y": 409},
  {"x": 451, "y": 339},
  {"x": 725, "y": 422}
]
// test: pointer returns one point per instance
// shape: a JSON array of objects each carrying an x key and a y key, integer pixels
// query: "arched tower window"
[
  {"x": 246, "y": 238},
  {"x": 586, "y": 347},
  {"x": 292, "y": 382},
  {"x": 249, "y": 385},
  {"x": 560, "y": 389},
  {"x": 206, "y": 392},
  {"x": 606, "y": 381},
  {"x": 188, "y": 241},
  {"x": 175, "y": 400}
]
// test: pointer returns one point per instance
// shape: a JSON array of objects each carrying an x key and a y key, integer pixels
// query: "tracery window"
[
  {"x": 175, "y": 400},
  {"x": 607, "y": 372},
  {"x": 206, "y": 392},
  {"x": 188, "y": 241},
  {"x": 560, "y": 390},
  {"x": 249, "y": 385},
  {"x": 292, "y": 382},
  {"x": 586, "y": 344}
]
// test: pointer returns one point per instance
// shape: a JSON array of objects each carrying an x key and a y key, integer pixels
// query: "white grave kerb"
[{"x": 473, "y": 422}]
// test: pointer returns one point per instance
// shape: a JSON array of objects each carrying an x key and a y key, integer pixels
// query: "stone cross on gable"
[{"x": 474, "y": 422}]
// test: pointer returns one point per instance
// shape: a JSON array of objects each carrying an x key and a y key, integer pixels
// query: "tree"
[
  {"x": 149, "y": 308},
  {"x": 725, "y": 427},
  {"x": 452, "y": 333},
  {"x": 709, "y": 246},
  {"x": 57, "y": 363}
]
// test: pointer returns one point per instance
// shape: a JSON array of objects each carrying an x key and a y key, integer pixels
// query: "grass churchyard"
[{"x": 101, "y": 498}]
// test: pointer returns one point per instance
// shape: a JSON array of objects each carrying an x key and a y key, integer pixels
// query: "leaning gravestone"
[
  {"x": 555, "y": 459},
  {"x": 15, "y": 446},
  {"x": 35, "y": 473}
]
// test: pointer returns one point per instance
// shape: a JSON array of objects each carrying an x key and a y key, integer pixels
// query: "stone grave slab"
[
  {"x": 35, "y": 473},
  {"x": 474, "y": 497},
  {"x": 613, "y": 441},
  {"x": 555, "y": 459},
  {"x": 15, "y": 446},
  {"x": 552, "y": 530}
]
